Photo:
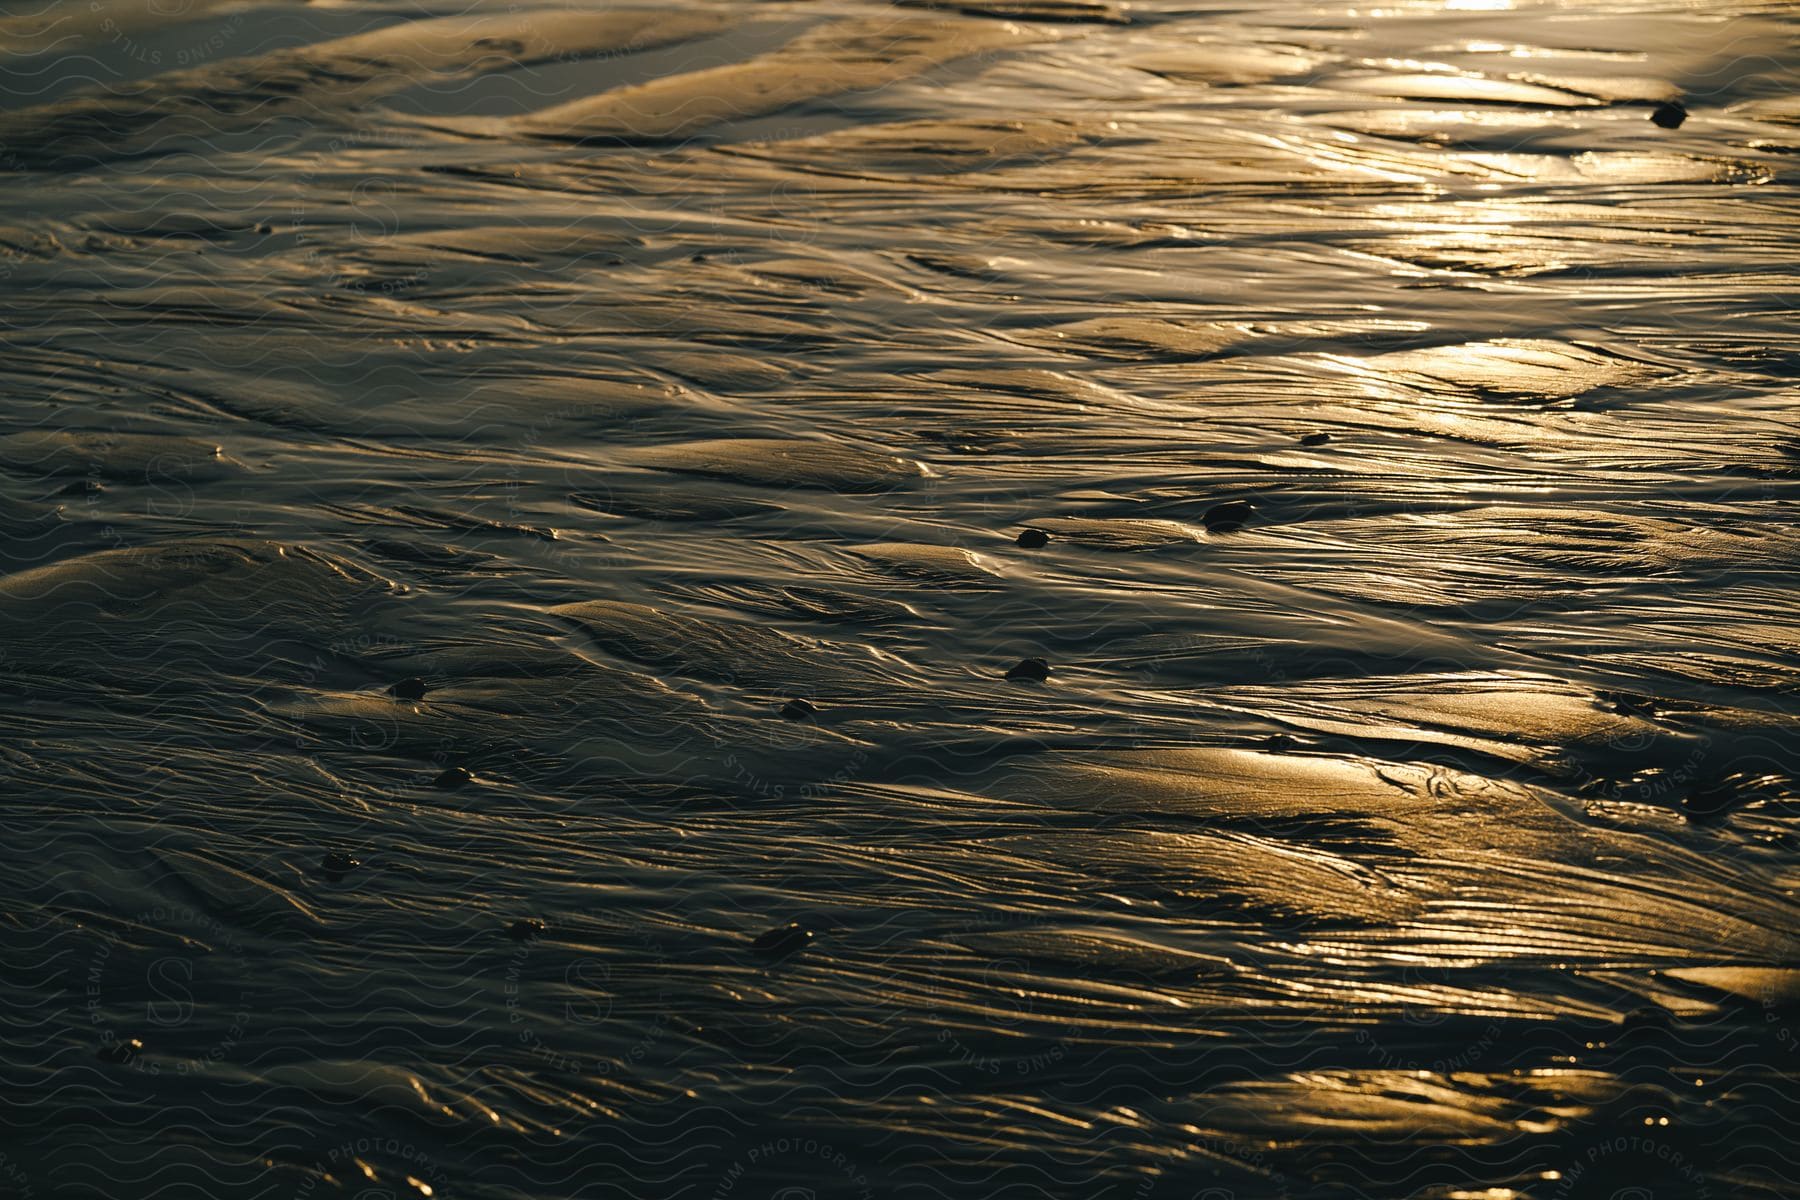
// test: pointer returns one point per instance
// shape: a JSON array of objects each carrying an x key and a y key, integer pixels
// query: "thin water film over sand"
[{"x": 838, "y": 599}]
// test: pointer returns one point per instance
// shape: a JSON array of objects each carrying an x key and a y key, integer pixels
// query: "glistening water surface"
[{"x": 1280, "y": 516}]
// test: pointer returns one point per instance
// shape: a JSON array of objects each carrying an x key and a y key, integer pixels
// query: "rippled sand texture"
[{"x": 1402, "y": 803}]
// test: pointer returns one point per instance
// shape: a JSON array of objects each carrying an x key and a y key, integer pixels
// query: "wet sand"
[{"x": 850, "y": 599}]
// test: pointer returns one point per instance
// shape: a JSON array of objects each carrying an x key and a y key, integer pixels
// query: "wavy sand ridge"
[{"x": 844, "y": 599}]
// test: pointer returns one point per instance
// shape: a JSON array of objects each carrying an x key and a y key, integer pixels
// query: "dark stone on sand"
[
  {"x": 1281, "y": 742},
  {"x": 84, "y": 487},
  {"x": 1669, "y": 114},
  {"x": 1033, "y": 539},
  {"x": 1629, "y": 703},
  {"x": 453, "y": 777},
  {"x": 1315, "y": 439},
  {"x": 409, "y": 689},
  {"x": 121, "y": 1051},
  {"x": 524, "y": 929},
  {"x": 339, "y": 863},
  {"x": 799, "y": 709},
  {"x": 785, "y": 939},
  {"x": 1030, "y": 668},
  {"x": 1223, "y": 518},
  {"x": 1711, "y": 799}
]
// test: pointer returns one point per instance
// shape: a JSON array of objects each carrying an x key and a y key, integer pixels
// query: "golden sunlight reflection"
[{"x": 863, "y": 599}]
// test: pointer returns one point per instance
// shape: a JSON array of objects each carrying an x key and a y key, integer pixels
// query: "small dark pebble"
[
  {"x": 524, "y": 929},
  {"x": 338, "y": 863},
  {"x": 799, "y": 709},
  {"x": 453, "y": 777},
  {"x": 1223, "y": 518},
  {"x": 122, "y": 1051},
  {"x": 1669, "y": 115},
  {"x": 1709, "y": 801},
  {"x": 1629, "y": 702},
  {"x": 783, "y": 940},
  {"x": 1281, "y": 741},
  {"x": 1315, "y": 439},
  {"x": 84, "y": 487},
  {"x": 1033, "y": 539},
  {"x": 409, "y": 689},
  {"x": 1030, "y": 668}
]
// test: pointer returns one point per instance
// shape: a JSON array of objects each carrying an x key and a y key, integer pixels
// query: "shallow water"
[{"x": 624, "y": 374}]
